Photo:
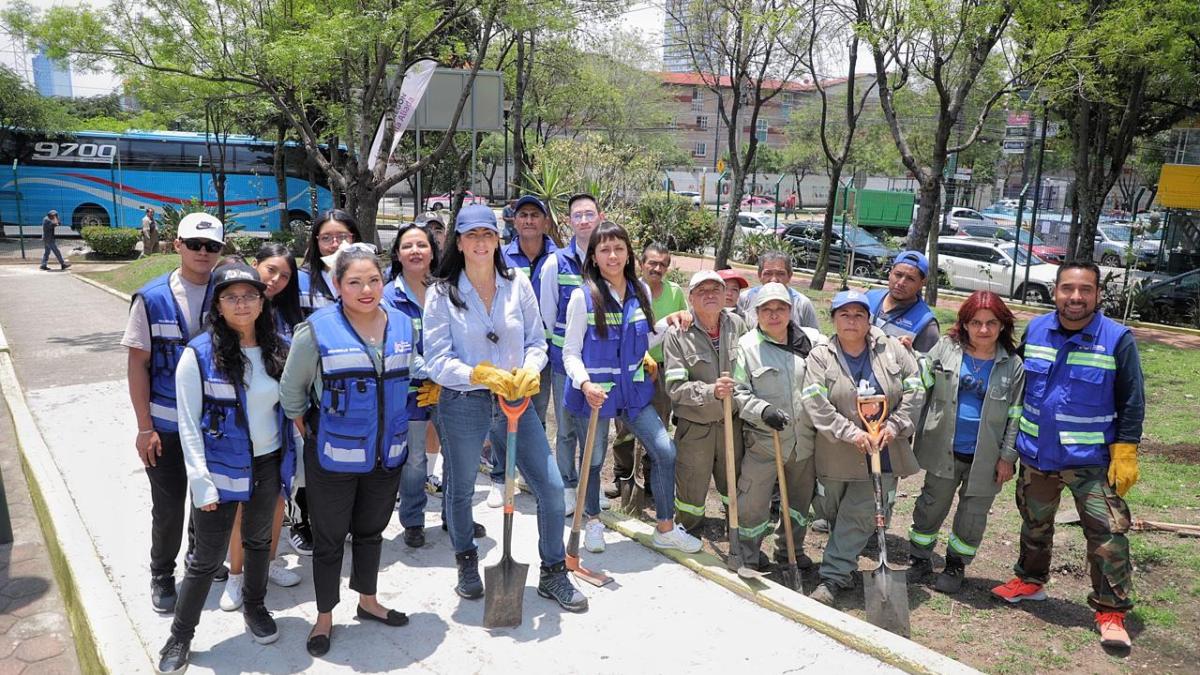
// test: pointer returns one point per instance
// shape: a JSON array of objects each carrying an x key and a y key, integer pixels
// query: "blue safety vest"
[
  {"x": 532, "y": 269},
  {"x": 363, "y": 422},
  {"x": 569, "y": 278},
  {"x": 313, "y": 294},
  {"x": 282, "y": 328},
  {"x": 614, "y": 362},
  {"x": 909, "y": 324},
  {"x": 1069, "y": 415},
  {"x": 228, "y": 450},
  {"x": 395, "y": 293},
  {"x": 168, "y": 337}
]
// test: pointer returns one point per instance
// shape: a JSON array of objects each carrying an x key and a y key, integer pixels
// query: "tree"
[
  {"x": 23, "y": 108},
  {"x": 1142, "y": 170}
]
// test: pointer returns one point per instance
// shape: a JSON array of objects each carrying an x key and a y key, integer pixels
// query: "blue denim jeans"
[
  {"x": 412, "y": 477},
  {"x": 648, "y": 428},
  {"x": 464, "y": 419},
  {"x": 569, "y": 441},
  {"x": 540, "y": 402}
]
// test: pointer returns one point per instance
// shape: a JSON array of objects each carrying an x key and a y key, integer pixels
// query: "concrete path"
[{"x": 658, "y": 616}]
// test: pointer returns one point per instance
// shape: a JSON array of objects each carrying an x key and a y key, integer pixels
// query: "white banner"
[{"x": 416, "y": 79}]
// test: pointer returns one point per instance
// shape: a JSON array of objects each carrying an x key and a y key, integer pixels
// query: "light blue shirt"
[{"x": 456, "y": 340}]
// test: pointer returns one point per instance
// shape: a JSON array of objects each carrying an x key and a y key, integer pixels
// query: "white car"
[
  {"x": 960, "y": 215},
  {"x": 755, "y": 221},
  {"x": 694, "y": 196},
  {"x": 976, "y": 264}
]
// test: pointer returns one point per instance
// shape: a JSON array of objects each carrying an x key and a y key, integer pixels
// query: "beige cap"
[
  {"x": 703, "y": 276},
  {"x": 772, "y": 291}
]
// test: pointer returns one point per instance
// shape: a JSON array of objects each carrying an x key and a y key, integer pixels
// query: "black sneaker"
[
  {"x": 162, "y": 593},
  {"x": 479, "y": 531},
  {"x": 803, "y": 562},
  {"x": 414, "y": 537},
  {"x": 919, "y": 569},
  {"x": 556, "y": 585},
  {"x": 260, "y": 624},
  {"x": 299, "y": 540},
  {"x": 469, "y": 586},
  {"x": 221, "y": 575},
  {"x": 951, "y": 579},
  {"x": 174, "y": 656}
]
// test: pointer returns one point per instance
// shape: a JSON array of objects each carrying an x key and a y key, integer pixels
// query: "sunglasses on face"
[{"x": 206, "y": 244}]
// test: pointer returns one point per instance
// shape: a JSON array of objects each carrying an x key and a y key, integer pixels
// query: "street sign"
[
  {"x": 1018, "y": 119},
  {"x": 1014, "y": 146},
  {"x": 720, "y": 166}
]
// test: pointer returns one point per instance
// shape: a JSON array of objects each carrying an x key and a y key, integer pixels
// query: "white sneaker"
[
  {"x": 604, "y": 504},
  {"x": 676, "y": 538},
  {"x": 593, "y": 536},
  {"x": 495, "y": 498},
  {"x": 280, "y": 575},
  {"x": 568, "y": 501},
  {"x": 231, "y": 597}
]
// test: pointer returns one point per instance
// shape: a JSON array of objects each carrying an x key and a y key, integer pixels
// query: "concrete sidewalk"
[{"x": 658, "y": 616}]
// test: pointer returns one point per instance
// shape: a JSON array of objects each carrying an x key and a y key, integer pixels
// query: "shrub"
[
  {"x": 747, "y": 247},
  {"x": 672, "y": 220},
  {"x": 243, "y": 244},
  {"x": 112, "y": 242}
]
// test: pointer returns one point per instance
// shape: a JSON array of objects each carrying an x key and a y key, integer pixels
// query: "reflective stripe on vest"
[
  {"x": 615, "y": 362},
  {"x": 569, "y": 278},
  {"x": 395, "y": 293},
  {"x": 909, "y": 324},
  {"x": 168, "y": 336},
  {"x": 313, "y": 298}
]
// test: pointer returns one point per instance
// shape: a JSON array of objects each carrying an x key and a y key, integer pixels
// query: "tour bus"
[{"x": 99, "y": 178}]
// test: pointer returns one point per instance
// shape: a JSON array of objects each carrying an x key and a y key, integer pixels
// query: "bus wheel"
[
  {"x": 89, "y": 216},
  {"x": 298, "y": 220}
]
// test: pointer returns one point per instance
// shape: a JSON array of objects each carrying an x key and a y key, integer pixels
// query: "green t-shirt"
[{"x": 670, "y": 301}]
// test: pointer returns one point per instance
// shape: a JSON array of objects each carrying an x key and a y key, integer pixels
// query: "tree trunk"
[
  {"x": 822, "y": 267},
  {"x": 524, "y": 64},
  {"x": 725, "y": 243}
]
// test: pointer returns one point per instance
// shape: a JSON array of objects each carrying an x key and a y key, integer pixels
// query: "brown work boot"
[{"x": 1112, "y": 630}]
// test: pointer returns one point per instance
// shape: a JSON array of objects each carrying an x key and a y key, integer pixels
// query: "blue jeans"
[
  {"x": 540, "y": 402},
  {"x": 568, "y": 440},
  {"x": 51, "y": 246},
  {"x": 648, "y": 428},
  {"x": 412, "y": 477},
  {"x": 464, "y": 419}
]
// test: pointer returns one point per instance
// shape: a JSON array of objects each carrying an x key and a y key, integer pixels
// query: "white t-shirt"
[{"x": 191, "y": 300}]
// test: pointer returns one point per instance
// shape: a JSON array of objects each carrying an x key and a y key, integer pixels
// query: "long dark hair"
[
  {"x": 287, "y": 301},
  {"x": 981, "y": 300},
  {"x": 435, "y": 257},
  {"x": 602, "y": 299},
  {"x": 452, "y": 266},
  {"x": 227, "y": 343},
  {"x": 312, "y": 258}
]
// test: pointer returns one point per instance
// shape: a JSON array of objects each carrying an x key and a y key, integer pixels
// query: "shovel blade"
[
  {"x": 886, "y": 599},
  {"x": 504, "y": 593},
  {"x": 791, "y": 577}
]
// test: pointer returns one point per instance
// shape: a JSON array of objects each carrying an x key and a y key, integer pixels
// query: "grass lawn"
[{"x": 129, "y": 278}]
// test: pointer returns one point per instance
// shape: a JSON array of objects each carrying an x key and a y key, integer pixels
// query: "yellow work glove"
[
  {"x": 428, "y": 394},
  {"x": 651, "y": 367},
  {"x": 496, "y": 380},
  {"x": 1122, "y": 466},
  {"x": 526, "y": 382}
]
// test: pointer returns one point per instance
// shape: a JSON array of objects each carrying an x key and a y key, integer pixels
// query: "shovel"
[
  {"x": 734, "y": 561},
  {"x": 791, "y": 575},
  {"x": 504, "y": 582},
  {"x": 885, "y": 589},
  {"x": 573, "y": 564}
]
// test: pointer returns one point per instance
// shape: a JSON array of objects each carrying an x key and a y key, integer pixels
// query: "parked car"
[
  {"x": 757, "y": 203},
  {"x": 1174, "y": 300},
  {"x": 755, "y": 222},
  {"x": 694, "y": 196},
  {"x": 443, "y": 201},
  {"x": 960, "y": 215},
  {"x": 870, "y": 257},
  {"x": 975, "y": 264},
  {"x": 1054, "y": 255},
  {"x": 1112, "y": 244}
]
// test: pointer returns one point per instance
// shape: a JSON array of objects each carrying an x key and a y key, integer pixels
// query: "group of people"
[{"x": 332, "y": 392}]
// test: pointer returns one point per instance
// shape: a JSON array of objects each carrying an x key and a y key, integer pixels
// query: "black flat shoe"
[
  {"x": 394, "y": 618},
  {"x": 318, "y": 645}
]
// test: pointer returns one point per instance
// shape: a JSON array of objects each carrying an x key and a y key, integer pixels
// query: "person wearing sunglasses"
[
  {"x": 238, "y": 448},
  {"x": 330, "y": 230},
  {"x": 164, "y": 315}
]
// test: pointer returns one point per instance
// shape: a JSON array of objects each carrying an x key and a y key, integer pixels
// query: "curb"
[
  {"x": 104, "y": 633},
  {"x": 852, "y": 632},
  {"x": 107, "y": 289}
]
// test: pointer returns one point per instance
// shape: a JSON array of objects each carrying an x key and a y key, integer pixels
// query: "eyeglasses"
[
  {"x": 206, "y": 244},
  {"x": 584, "y": 217},
  {"x": 335, "y": 238},
  {"x": 238, "y": 300}
]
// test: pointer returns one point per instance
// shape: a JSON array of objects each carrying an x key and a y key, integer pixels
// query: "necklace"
[{"x": 975, "y": 365}]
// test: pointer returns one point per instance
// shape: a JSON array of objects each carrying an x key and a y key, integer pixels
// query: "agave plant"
[{"x": 549, "y": 183}]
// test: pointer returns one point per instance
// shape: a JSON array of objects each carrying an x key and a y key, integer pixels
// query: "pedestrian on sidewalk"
[
  {"x": 1080, "y": 426},
  {"x": 484, "y": 337},
  {"x": 966, "y": 444},
  {"x": 149, "y": 233},
  {"x": 609, "y": 330},
  {"x": 777, "y": 266},
  {"x": 330, "y": 230},
  {"x": 239, "y": 450},
  {"x": 164, "y": 315},
  {"x": 50, "y": 240},
  {"x": 346, "y": 386}
]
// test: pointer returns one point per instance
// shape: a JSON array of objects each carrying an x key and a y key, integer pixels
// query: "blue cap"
[
  {"x": 848, "y": 298},
  {"x": 914, "y": 258},
  {"x": 475, "y": 216},
  {"x": 530, "y": 199}
]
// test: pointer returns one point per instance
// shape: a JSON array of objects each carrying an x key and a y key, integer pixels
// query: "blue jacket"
[
  {"x": 569, "y": 278},
  {"x": 228, "y": 450},
  {"x": 1069, "y": 413},
  {"x": 363, "y": 421},
  {"x": 313, "y": 294},
  {"x": 614, "y": 362},
  {"x": 530, "y": 268},
  {"x": 395, "y": 293},
  {"x": 168, "y": 337},
  {"x": 909, "y": 324}
]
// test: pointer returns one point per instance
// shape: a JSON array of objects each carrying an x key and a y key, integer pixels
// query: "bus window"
[{"x": 148, "y": 155}]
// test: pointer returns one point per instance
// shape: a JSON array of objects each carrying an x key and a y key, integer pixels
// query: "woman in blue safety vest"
[
  {"x": 484, "y": 336},
  {"x": 238, "y": 448},
  {"x": 346, "y": 386},
  {"x": 610, "y": 325},
  {"x": 330, "y": 230}
]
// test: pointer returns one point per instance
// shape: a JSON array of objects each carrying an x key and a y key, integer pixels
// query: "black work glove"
[{"x": 775, "y": 418}]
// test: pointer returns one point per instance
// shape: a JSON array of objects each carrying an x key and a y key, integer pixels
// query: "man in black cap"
[{"x": 49, "y": 243}]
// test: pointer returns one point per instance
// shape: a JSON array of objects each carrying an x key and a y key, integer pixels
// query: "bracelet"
[{"x": 142, "y": 433}]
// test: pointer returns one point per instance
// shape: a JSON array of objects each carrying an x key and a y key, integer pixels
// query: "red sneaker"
[
  {"x": 1016, "y": 590},
  {"x": 1112, "y": 630}
]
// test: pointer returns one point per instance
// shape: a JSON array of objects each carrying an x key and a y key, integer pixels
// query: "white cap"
[
  {"x": 772, "y": 291},
  {"x": 201, "y": 226},
  {"x": 703, "y": 276}
]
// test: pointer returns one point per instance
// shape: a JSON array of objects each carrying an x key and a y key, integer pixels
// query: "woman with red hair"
[{"x": 966, "y": 443}]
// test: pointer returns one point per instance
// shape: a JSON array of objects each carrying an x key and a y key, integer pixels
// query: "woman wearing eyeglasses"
[
  {"x": 346, "y": 386},
  {"x": 330, "y": 230},
  {"x": 238, "y": 449}
]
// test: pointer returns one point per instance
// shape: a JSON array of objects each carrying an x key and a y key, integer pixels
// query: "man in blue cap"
[{"x": 899, "y": 311}]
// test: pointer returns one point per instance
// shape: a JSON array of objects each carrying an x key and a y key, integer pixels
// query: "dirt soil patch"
[{"x": 1181, "y": 453}]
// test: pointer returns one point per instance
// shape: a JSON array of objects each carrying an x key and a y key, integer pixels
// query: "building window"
[
  {"x": 697, "y": 99},
  {"x": 761, "y": 130},
  {"x": 702, "y": 122},
  {"x": 700, "y": 149},
  {"x": 788, "y": 102}
]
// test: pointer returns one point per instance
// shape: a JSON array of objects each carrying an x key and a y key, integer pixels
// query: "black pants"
[
  {"x": 360, "y": 504},
  {"x": 168, "y": 496},
  {"x": 212, "y": 542}
]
